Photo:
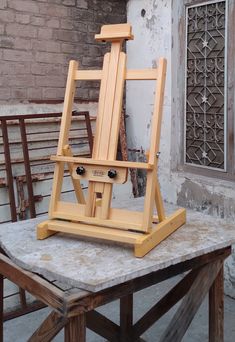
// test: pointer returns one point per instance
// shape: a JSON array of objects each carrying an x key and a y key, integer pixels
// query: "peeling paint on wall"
[{"x": 157, "y": 33}]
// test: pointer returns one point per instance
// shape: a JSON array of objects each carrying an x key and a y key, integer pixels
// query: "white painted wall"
[
  {"x": 152, "y": 34},
  {"x": 154, "y": 38}
]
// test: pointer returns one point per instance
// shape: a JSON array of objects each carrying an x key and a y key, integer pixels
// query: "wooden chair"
[{"x": 94, "y": 217}]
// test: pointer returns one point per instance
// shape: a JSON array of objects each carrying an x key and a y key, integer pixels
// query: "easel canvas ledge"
[{"x": 93, "y": 216}]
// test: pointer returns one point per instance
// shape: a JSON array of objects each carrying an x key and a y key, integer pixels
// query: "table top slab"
[{"x": 94, "y": 266}]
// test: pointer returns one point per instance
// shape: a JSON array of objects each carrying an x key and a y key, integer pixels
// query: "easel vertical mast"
[{"x": 105, "y": 146}]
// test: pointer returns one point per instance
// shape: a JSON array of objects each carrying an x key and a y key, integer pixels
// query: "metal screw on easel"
[
  {"x": 112, "y": 173},
  {"x": 80, "y": 170}
]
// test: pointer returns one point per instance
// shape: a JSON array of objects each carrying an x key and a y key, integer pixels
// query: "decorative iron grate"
[{"x": 205, "y": 130}]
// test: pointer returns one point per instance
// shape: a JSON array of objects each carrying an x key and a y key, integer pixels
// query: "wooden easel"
[{"x": 94, "y": 217}]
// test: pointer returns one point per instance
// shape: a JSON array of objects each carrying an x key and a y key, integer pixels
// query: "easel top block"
[{"x": 115, "y": 32}]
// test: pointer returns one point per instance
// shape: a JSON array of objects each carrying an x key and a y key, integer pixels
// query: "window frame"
[{"x": 179, "y": 30}]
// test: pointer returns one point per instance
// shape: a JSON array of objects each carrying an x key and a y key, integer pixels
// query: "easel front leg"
[
  {"x": 159, "y": 202},
  {"x": 56, "y": 187},
  {"x": 149, "y": 201}
]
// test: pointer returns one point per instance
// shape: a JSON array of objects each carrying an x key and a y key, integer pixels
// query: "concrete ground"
[{"x": 20, "y": 329}]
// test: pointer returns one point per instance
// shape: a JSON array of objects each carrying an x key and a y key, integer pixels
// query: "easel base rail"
[{"x": 143, "y": 243}]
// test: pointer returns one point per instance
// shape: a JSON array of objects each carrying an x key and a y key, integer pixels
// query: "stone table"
[{"x": 94, "y": 273}]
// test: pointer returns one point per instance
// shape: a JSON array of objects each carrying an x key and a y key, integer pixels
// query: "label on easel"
[{"x": 100, "y": 173}]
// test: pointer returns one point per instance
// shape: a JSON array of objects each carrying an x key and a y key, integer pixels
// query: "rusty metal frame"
[
  {"x": 27, "y": 168},
  {"x": 7, "y": 155},
  {"x": 26, "y": 307}
]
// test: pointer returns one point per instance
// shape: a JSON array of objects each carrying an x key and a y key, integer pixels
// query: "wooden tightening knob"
[
  {"x": 112, "y": 173},
  {"x": 80, "y": 170}
]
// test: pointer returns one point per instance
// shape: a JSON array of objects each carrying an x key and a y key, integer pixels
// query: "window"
[{"x": 206, "y": 86}]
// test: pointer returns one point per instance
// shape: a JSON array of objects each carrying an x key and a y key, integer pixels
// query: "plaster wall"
[
  {"x": 157, "y": 26},
  {"x": 151, "y": 22}
]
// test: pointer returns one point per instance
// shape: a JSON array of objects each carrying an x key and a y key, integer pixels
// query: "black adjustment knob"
[
  {"x": 112, "y": 173},
  {"x": 80, "y": 170}
]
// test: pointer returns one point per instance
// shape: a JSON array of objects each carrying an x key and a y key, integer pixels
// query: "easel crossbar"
[
  {"x": 124, "y": 219},
  {"x": 111, "y": 163},
  {"x": 96, "y": 75}
]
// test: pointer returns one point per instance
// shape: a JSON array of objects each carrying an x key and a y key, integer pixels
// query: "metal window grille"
[{"x": 205, "y": 103}]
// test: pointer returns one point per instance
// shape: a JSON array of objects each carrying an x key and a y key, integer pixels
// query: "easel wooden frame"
[{"x": 94, "y": 217}]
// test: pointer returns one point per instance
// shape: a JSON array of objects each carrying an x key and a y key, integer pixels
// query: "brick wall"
[{"x": 39, "y": 37}]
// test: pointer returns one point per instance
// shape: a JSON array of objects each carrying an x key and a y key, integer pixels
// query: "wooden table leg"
[
  {"x": 1, "y": 307},
  {"x": 126, "y": 318},
  {"x": 216, "y": 309},
  {"x": 49, "y": 328},
  {"x": 190, "y": 304},
  {"x": 75, "y": 329}
]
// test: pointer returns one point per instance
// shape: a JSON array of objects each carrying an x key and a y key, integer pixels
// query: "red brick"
[
  {"x": 5, "y": 93},
  {"x": 82, "y": 4},
  {"x": 53, "y": 10},
  {"x": 92, "y": 61},
  {"x": 7, "y": 16},
  {"x": 15, "y": 55},
  {"x": 53, "y": 93},
  {"x": 83, "y": 15},
  {"x": 20, "y": 30},
  {"x": 47, "y": 69},
  {"x": 45, "y": 33},
  {"x": 3, "y": 4},
  {"x": 94, "y": 50},
  {"x": 37, "y": 21},
  {"x": 50, "y": 46},
  {"x": 95, "y": 28},
  {"x": 66, "y": 24},
  {"x": 50, "y": 81},
  {"x": 15, "y": 43},
  {"x": 48, "y": 57},
  {"x": 14, "y": 68},
  {"x": 69, "y": 2},
  {"x": 6, "y": 42},
  {"x": 22, "y": 81},
  {"x": 38, "y": 69},
  {"x": 67, "y": 36},
  {"x": 34, "y": 93},
  {"x": 1, "y": 29},
  {"x": 19, "y": 93},
  {"x": 94, "y": 94},
  {"x": 22, "y": 43},
  {"x": 68, "y": 48},
  {"x": 81, "y": 27},
  {"x": 24, "y": 5},
  {"x": 56, "y": 70},
  {"x": 41, "y": 36},
  {"x": 82, "y": 93},
  {"x": 54, "y": 23},
  {"x": 22, "y": 18}
]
